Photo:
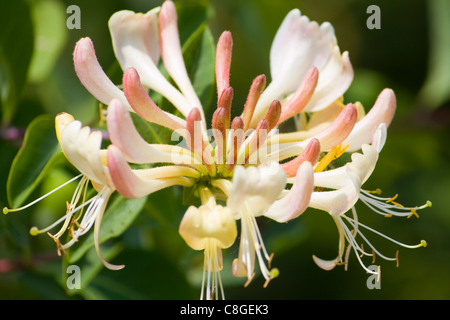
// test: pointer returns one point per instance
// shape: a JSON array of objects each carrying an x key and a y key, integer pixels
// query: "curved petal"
[
  {"x": 331, "y": 136},
  {"x": 382, "y": 112},
  {"x": 334, "y": 80},
  {"x": 144, "y": 106},
  {"x": 337, "y": 201},
  {"x": 136, "y": 44},
  {"x": 299, "y": 45},
  {"x": 124, "y": 135},
  {"x": 128, "y": 182},
  {"x": 92, "y": 75},
  {"x": 82, "y": 149},
  {"x": 297, "y": 199},
  {"x": 171, "y": 53}
]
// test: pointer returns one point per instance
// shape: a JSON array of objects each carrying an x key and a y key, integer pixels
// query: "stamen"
[
  {"x": 388, "y": 207},
  {"x": 273, "y": 274},
  {"x": 332, "y": 155},
  {"x": 7, "y": 210},
  {"x": 421, "y": 244}
]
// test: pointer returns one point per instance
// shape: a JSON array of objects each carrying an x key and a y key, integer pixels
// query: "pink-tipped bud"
[
  {"x": 223, "y": 61},
  {"x": 310, "y": 154},
  {"x": 142, "y": 104},
  {"x": 302, "y": 96},
  {"x": 225, "y": 101},
  {"x": 256, "y": 89},
  {"x": 273, "y": 114},
  {"x": 219, "y": 125},
  {"x": 237, "y": 136},
  {"x": 193, "y": 127}
]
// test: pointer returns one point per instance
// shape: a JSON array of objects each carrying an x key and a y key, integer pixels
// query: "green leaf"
[
  {"x": 119, "y": 215},
  {"x": 147, "y": 275},
  {"x": 191, "y": 16},
  {"x": 49, "y": 20},
  {"x": 39, "y": 152},
  {"x": 199, "y": 53},
  {"x": 436, "y": 89},
  {"x": 16, "y": 48}
]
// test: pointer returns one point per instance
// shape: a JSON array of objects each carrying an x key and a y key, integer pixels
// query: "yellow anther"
[
  {"x": 362, "y": 248},
  {"x": 377, "y": 191},
  {"x": 398, "y": 205},
  {"x": 392, "y": 199},
  {"x": 270, "y": 260},
  {"x": 396, "y": 259},
  {"x": 373, "y": 256},
  {"x": 388, "y": 215},
  {"x": 249, "y": 280},
  {"x": 413, "y": 213},
  {"x": 59, "y": 246}
]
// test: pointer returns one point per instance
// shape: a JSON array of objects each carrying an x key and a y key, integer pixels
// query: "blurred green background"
[{"x": 410, "y": 54}]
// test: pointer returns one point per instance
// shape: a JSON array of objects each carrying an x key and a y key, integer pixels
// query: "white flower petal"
[
  {"x": 136, "y": 44},
  {"x": 295, "y": 202},
  {"x": 258, "y": 187}
]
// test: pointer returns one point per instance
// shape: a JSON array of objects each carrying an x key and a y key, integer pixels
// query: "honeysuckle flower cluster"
[{"x": 240, "y": 168}]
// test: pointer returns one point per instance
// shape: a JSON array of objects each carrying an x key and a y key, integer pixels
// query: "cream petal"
[
  {"x": 128, "y": 182},
  {"x": 199, "y": 225},
  {"x": 325, "y": 264},
  {"x": 338, "y": 201},
  {"x": 334, "y": 80},
  {"x": 258, "y": 187},
  {"x": 82, "y": 149},
  {"x": 92, "y": 75},
  {"x": 295, "y": 202}
]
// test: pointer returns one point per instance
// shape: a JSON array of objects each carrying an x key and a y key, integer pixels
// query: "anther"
[
  {"x": 392, "y": 199},
  {"x": 249, "y": 280},
  {"x": 269, "y": 262},
  {"x": 396, "y": 259},
  {"x": 413, "y": 213}
]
